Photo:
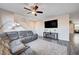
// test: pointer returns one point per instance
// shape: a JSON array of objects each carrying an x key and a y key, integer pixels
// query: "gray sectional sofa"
[{"x": 18, "y": 40}]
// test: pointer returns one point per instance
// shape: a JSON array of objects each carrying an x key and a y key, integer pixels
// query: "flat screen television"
[{"x": 51, "y": 24}]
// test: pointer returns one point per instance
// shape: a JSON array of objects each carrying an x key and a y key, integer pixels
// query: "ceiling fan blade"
[
  {"x": 28, "y": 12},
  {"x": 36, "y": 7},
  {"x": 27, "y": 8},
  {"x": 39, "y": 11}
]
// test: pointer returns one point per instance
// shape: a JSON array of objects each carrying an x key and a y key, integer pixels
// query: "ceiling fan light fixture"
[{"x": 34, "y": 12}]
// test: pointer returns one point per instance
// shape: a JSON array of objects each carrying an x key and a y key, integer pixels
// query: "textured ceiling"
[{"x": 49, "y": 9}]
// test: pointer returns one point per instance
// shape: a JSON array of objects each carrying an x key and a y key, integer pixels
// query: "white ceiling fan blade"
[{"x": 28, "y": 12}]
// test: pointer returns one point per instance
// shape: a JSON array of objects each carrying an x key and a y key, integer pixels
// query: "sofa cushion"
[
  {"x": 13, "y": 35},
  {"x": 29, "y": 39},
  {"x": 17, "y": 47},
  {"x": 29, "y": 33},
  {"x": 25, "y": 33}
]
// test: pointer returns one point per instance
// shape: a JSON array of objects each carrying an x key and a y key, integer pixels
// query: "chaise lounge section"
[{"x": 18, "y": 39}]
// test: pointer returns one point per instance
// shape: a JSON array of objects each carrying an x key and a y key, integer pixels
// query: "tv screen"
[{"x": 51, "y": 24}]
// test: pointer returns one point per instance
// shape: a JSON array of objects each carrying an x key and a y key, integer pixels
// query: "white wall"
[
  {"x": 24, "y": 22},
  {"x": 7, "y": 20},
  {"x": 39, "y": 28},
  {"x": 76, "y": 26},
  {"x": 63, "y": 27}
]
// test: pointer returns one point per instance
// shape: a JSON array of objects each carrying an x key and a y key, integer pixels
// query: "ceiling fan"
[{"x": 33, "y": 9}]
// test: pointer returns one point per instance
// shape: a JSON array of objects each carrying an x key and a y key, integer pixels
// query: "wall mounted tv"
[{"x": 51, "y": 24}]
